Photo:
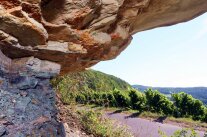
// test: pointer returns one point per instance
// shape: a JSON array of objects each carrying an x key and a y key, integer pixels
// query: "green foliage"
[
  {"x": 157, "y": 102},
  {"x": 186, "y": 105},
  {"x": 99, "y": 98},
  {"x": 86, "y": 83},
  {"x": 112, "y": 100},
  {"x": 122, "y": 99},
  {"x": 90, "y": 80},
  {"x": 180, "y": 133},
  {"x": 80, "y": 98},
  {"x": 138, "y": 100},
  {"x": 205, "y": 117},
  {"x": 95, "y": 124}
]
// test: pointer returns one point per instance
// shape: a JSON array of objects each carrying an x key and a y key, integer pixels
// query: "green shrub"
[
  {"x": 105, "y": 101},
  {"x": 112, "y": 100},
  {"x": 188, "y": 106},
  {"x": 80, "y": 98},
  {"x": 95, "y": 124},
  {"x": 159, "y": 103},
  {"x": 89, "y": 96},
  {"x": 68, "y": 98},
  {"x": 122, "y": 99},
  {"x": 138, "y": 100},
  {"x": 96, "y": 98},
  {"x": 180, "y": 133},
  {"x": 205, "y": 116}
]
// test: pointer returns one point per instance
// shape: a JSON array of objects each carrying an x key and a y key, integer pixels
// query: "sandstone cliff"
[{"x": 80, "y": 33}]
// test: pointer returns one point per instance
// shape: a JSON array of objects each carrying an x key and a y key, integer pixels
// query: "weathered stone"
[
  {"x": 22, "y": 26},
  {"x": 63, "y": 31},
  {"x": 24, "y": 82},
  {"x": 21, "y": 116},
  {"x": 2, "y": 130},
  {"x": 32, "y": 66}
]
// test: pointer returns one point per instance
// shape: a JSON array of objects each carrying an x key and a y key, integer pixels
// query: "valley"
[{"x": 97, "y": 92}]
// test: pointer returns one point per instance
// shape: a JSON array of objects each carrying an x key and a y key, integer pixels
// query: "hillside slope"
[
  {"x": 197, "y": 92},
  {"x": 90, "y": 80}
]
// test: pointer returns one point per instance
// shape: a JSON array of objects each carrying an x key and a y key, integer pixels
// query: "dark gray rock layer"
[{"x": 28, "y": 106}]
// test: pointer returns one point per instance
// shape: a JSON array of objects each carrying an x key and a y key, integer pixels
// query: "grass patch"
[{"x": 94, "y": 123}]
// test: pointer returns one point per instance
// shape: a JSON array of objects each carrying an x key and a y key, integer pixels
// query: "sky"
[{"x": 174, "y": 56}]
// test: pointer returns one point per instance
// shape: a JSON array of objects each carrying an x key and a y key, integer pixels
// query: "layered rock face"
[
  {"x": 80, "y": 33},
  {"x": 27, "y": 100}
]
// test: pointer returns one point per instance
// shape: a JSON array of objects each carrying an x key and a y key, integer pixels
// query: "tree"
[
  {"x": 122, "y": 98},
  {"x": 138, "y": 100},
  {"x": 188, "y": 106},
  {"x": 157, "y": 102}
]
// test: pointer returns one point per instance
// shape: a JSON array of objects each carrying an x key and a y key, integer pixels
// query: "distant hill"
[
  {"x": 90, "y": 80},
  {"x": 197, "y": 92}
]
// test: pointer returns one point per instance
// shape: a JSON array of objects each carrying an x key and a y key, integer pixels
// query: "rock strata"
[
  {"x": 27, "y": 100},
  {"x": 80, "y": 33}
]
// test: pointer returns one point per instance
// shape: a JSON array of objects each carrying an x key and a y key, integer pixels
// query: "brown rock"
[{"x": 80, "y": 33}]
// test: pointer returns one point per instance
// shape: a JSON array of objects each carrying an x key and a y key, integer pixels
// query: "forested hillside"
[{"x": 91, "y": 80}]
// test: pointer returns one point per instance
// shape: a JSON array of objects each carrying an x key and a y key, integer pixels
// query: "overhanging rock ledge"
[{"x": 80, "y": 33}]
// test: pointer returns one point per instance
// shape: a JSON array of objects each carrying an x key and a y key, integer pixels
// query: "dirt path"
[{"x": 145, "y": 128}]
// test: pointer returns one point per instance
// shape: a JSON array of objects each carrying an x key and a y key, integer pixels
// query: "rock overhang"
[{"x": 80, "y": 33}]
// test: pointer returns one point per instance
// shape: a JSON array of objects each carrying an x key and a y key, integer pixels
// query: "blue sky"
[{"x": 174, "y": 56}]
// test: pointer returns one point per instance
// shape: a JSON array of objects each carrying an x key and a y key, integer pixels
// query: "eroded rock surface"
[
  {"x": 27, "y": 100},
  {"x": 80, "y": 33}
]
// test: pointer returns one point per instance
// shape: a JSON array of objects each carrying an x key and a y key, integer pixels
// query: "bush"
[
  {"x": 108, "y": 99},
  {"x": 89, "y": 96},
  {"x": 138, "y": 100},
  {"x": 96, "y": 98},
  {"x": 159, "y": 103},
  {"x": 95, "y": 124},
  {"x": 180, "y": 133},
  {"x": 80, "y": 98},
  {"x": 122, "y": 99},
  {"x": 112, "y": 100},
  {"x": 68, "y": 98},
  {"x": 188, "y": 106},
  {"x": 205, "y": 117}
]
